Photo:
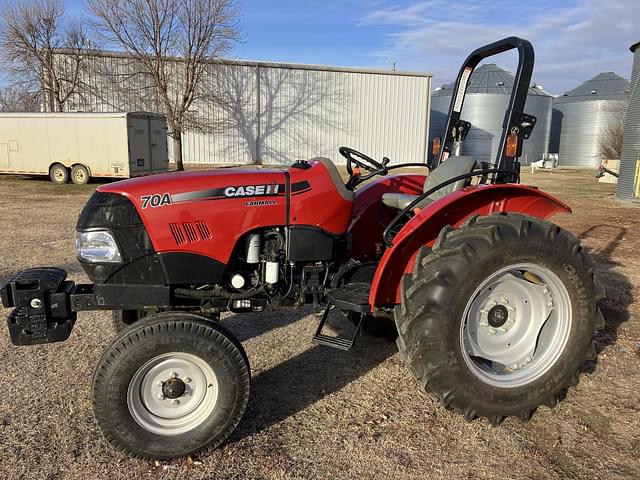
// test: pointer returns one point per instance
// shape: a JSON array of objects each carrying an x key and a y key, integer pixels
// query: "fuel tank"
[{"x": 206, "y": 212}]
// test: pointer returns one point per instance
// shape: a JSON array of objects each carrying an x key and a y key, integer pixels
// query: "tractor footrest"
[
  {"x": 334, "y": 342},
  {"x": 340, "y": 343},
  {"x": 353, "y": 297}
]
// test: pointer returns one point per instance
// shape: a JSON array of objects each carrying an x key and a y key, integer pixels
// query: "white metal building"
[{"x": 275, "y": 112}]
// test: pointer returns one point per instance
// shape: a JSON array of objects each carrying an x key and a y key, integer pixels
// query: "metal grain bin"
[
  {"x": 581, "y": 115},
  {"x": 484, "y": 106},
  {"x": 628, "y": 181}
]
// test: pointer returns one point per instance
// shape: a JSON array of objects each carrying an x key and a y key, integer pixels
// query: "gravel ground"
[{"x": 316, "y": 412}]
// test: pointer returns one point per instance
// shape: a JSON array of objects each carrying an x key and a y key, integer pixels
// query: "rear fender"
[{"x": 453, "y": 209}]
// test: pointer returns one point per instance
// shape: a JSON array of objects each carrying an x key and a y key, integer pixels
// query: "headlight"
[{"x": 97, "y": 246}]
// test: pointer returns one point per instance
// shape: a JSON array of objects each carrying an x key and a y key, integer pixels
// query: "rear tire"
[
  {"x": 460, "y": 350},
  {"x": 59, "y": 174},
  {"x": 80, "y": 175},
  {"x": 172, "y": 385}
]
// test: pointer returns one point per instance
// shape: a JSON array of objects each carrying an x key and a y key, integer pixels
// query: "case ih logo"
[
  {"x": 272, "y": 189},
  {"x": 252, "y": 190}
]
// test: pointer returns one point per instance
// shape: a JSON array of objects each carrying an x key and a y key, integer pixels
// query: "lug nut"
[
  {"x": 161, "y": 397},
  {"x": 174, "y": 374},
  {"x": 176, "y": 402},
  {"x": 187, "y": 380}
]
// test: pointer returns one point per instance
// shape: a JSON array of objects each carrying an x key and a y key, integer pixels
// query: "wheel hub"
[
  {"x": 173, "y": 388},
  {"x": 498, "y": 316}
]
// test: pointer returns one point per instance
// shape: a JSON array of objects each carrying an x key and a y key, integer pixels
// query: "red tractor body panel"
[
  {"x": 206, "y": 212},
  {"x": 366, "y": 228},
  {"x": 315, "y": 200},
  {"x": 453, "y": 209}
]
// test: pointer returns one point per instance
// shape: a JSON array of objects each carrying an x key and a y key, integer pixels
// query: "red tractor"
[{"x": 495, "y": 307}]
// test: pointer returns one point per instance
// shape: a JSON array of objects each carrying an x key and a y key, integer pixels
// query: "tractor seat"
[{"x": 450, "y": 168}]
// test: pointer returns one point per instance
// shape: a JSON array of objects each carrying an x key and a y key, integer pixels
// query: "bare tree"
[
  {"x": 30, "y": 34},
  {"x": 173, "y": 41},
  {"x": 610, "y": 140},
  {"x": 18, "y": 99}
]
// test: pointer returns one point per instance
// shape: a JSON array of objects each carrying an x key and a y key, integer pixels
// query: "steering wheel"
[{"x": 362, "y": 161}]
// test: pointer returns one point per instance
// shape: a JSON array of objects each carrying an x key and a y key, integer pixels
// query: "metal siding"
[
  {"x": 304, "y": 111},
  {"x": 485, "y": 111},
  {"x": 631, "y": 146}
]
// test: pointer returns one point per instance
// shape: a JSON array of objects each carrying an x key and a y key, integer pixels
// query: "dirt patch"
[{"x": 319, "y": 413}]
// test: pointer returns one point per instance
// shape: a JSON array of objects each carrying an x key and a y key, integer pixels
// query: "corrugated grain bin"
[
  {"x": 581, "y": 116},
  {"x": 629, "y": 179},
  {"x": 487, "y": 99}
]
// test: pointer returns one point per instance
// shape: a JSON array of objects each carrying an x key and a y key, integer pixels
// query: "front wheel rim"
[
  {"x": 165, "y": 411},
  {"x": 516, "y": 325}
]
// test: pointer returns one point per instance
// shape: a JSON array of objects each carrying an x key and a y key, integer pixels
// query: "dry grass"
[{"x": 319, "y": 413}]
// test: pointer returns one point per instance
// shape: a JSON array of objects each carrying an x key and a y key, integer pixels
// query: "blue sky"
[{"x": 574, "y": 39}]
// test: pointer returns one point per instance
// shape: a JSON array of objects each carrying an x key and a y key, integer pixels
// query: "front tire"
[
  {"x": 172, "y": 385},
  {"x": 499, "y": 317}
]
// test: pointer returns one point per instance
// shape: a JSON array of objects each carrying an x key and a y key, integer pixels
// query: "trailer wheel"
[
  {"x": 80, "y": 175},
  {"x": 172, "y": 385},
  {"x": 499, "y": 317},
  {"x": 59, "y": 174}
]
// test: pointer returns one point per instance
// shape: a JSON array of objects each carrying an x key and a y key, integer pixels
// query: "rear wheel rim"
[
  {"x": 79, "y": 175},
  {"x": 516, "y": 325},
  {"x": 159, "y": 411}
]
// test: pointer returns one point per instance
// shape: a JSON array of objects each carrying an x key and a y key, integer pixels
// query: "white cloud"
[{"x": 573, "y": 42}]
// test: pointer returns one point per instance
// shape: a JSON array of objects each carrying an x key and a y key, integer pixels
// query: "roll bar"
[{"x": 515, "y": 120}]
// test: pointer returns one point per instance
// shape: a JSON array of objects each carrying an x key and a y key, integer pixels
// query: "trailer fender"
[{"x": 453, "y": 209}]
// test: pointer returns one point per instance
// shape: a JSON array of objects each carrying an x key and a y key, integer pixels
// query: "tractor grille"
[{"x": 188, "y": 232}]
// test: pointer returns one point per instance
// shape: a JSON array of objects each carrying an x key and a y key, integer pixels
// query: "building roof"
[
  {"x": 252, "y": 63},
  {"x": 634, "y": 46},
  {"x": 489, "y": 78},
  {"x": 604, "y": 86}
]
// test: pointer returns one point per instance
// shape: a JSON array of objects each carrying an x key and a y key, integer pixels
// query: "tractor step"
[
  {"x": 340, "y": 343},
  {"x": 353, "y": 297}
]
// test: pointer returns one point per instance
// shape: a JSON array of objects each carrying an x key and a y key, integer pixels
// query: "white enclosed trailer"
[{"x": 83, "y": 145}]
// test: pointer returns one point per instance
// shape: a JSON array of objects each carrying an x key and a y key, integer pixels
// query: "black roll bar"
[{"x": 515, "y": 120}]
